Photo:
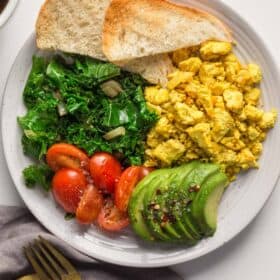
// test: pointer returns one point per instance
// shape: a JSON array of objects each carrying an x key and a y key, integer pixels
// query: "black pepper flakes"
[
  {"x": 188, "y": 202},
  {"x": 171, "y": 218},
  {"x": 164, "y": 218},
  {"x": 173, "y": 203},
  {"x": 158, "y": 192},
  {"x": 143, "y": 214}
]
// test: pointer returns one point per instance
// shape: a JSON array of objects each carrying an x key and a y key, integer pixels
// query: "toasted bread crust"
[
  {"x": 124, "y": 16},
  {"x": 44, "y": 22}
]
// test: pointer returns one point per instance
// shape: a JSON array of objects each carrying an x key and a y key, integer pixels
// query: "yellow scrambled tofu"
[{"x": 208, "y": 111}]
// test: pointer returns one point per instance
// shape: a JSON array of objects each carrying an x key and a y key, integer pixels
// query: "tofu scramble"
[{"x": 209, "y": 110}]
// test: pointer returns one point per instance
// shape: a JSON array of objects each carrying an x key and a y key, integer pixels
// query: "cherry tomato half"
[
  {"x": 125, "y": 186},
  {"x": 66, "y": 155},
  {"x": 129, "y": 179},
  {"x": 89, "y": 206},
  {"x": 111, "y": 218},
  {"x": 105, "y": 171},
  {"x": 68, "y": 186}
]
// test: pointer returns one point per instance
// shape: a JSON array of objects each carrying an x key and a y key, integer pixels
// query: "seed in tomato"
[
  {"x": 68, "y": 186},
  {"x": 89, "y": 206}
]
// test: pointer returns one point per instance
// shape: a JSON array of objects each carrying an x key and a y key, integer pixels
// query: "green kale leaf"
[
  {"x": 39, "y": 174},
  {"x": 88, "y": 113},
  {"x": 39, "y": 127}
]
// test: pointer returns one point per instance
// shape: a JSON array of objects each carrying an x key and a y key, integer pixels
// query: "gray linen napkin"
[{"x": 18, "y": 227}]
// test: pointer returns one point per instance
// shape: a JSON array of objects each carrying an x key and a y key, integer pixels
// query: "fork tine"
[
  {"x": 57, "y": 268},
  {"x": 35, "y": 264},
  {"x": 63, "y": 261},
  {"x": 47, "y": 267}
]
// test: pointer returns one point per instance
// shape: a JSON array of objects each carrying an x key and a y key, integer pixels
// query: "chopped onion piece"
[
  {"x": 67, "y": 58},
  {"x": 57, "y": 95},
  {"x": 111, "y": 88},
  {"x": 29, "y": 133},
  {"x": 62, "y": 111},
  {"x": 114, "y": 133}
]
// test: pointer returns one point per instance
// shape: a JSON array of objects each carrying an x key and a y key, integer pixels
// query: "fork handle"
[{"x": 29, "y": 277}]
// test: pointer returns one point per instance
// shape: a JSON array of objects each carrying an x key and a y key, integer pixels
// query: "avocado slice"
[
  {"x": 191, "y": 223},
  {"x": 136, "y": 204},
  {"x": 135, "y": 209},
  {"x": 178, "y": 199},
  {"x": 178, "y": 204},
  {"x": 195, "y": 178},
  {"x": 205, "y": 205},
  {"x": 152, "y": 210},
  {"x": 162, "y": 216}
]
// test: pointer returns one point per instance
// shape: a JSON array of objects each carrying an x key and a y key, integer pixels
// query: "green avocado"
[
  {"x": 178, "y": 204},
  {"x": 135, "y": 209},
  {"x": 161, "y": 220},
  {"x": 205, "y": 205},
  {"x": 196, "y": 177},
  {"x": 153, "y": 210},
  {"x": 191, "y": 223},
  {"x": 136, "y": 205},
  {"x": 177, "y": 199}
]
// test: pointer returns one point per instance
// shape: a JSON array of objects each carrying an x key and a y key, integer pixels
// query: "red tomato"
[
  {"x": 66, "y": 155},
  {"x": 105, "y": 171},
  {"x": 111, "y": 218},
  {"x": 90, "y": 205},
  {"x": 129, "y": 178},
  {"x": 68, "y": 185},
  {"x": 145, "y": 171}
]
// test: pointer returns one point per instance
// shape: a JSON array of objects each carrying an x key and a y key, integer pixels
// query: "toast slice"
[
  {"x": 75, "y": 26},
  {"x": 141, "y": 28}
]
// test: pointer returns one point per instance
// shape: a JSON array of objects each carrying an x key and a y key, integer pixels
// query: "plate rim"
[{"x": 209, "y": 249}]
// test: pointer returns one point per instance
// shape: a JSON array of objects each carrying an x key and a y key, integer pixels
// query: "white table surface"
[{"x": 255, "y": 253}]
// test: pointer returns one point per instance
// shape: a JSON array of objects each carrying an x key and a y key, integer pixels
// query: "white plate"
[
  {"x": 241, "y": 202},
  {"x": 7, "y": 12}
]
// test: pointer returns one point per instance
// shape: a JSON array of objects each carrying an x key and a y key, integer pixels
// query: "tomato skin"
[
  {"x": 145, "y": 171},
  {"x": 129, "y": 179},
  {"x": 66, "y": 155},
  {"x": 89, "y": 206},
  {"x": 68, "y": 186},
  {"x": 111, "y": 218},
  {"x": 105, "y": 171}
]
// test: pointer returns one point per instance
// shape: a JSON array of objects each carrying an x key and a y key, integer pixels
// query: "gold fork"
[{"x": 48, "y": 262}]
